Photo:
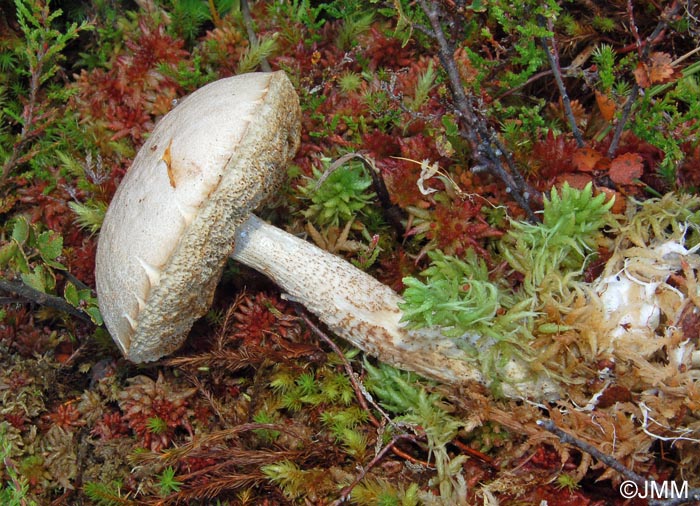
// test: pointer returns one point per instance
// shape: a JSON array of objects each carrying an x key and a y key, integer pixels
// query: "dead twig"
[
  {"x": 609, "y": 461},
  {"x": 549, "y": 45},
  {"x": 252, "y": 37},
  {"x": 488, "y": 150},
  {"x": 229, "y": 360},
  {"x": 643, "y": 47},
  {"x": 692, "y": 495},
  {"x": 360, "y": 391},
  {"x": 345, "y": 493},
  {"x": 26, "y": 293}
]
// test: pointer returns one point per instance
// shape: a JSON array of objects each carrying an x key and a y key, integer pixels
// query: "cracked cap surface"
[{"x": 218, "y": 155}]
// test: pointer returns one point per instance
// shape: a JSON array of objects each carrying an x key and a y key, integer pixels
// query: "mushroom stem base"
[{"x": 355, "y": 306}]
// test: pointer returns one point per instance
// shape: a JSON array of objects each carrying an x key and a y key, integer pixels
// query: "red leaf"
[
  {"x": 606, "y": 105},
  {"x": 641, "y": 75},
  {"x": 660, "y": 67},
  {"x": 656, "y": 70},
  {"x": 585, "y": 159},
  {"x": 575, "y": 180},
  {"x": 626, "y": 168}
]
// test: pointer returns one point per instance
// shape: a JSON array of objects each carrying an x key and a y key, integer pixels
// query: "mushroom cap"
[{"x": 219, "y": 154}]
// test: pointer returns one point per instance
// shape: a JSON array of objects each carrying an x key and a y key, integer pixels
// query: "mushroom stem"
[{"x": 357, "y": 307}]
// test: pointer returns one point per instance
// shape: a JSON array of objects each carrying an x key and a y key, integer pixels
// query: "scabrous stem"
[{"x": 353, "y": 304}]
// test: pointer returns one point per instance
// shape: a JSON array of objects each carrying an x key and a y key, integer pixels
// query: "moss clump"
[{"x": 337, "y": 195}]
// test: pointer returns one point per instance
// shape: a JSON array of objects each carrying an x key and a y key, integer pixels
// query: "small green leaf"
[
  {"x": 49, "y": 279},
  {"x": 20, "y": 232},
  {"x": 95, "y": 315},
  {"x": 70, "y": 293},
  {"x": 49, "y": 245},
  {"x": 34, "y": 280},
  {"x": 7, "y": 251},
  {"x": 20, "y": 260},
  {"x": 55, "y": 264},
  {"x": 167, "y": 482},
  {"x": 553, "y": 328},
  {"x": 84, "y": 301},
  {"x": 477, "y": 6},
  {"x": 451, "y": 128}
]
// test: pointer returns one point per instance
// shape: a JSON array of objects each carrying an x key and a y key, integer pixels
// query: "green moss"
[
  {"x": 382, "y": 492},
  {"x": 106, "y": 494},
  {"x": 167, "y": 482},
  {"x": 295, "y": 481},
  {"x": 456, "y": 295},
  {"x": 554, "y": 252},
  {"x": 402, "y": 393},
  {"x": 15, "y": 491},
  {"x": 337, "y": 196}
]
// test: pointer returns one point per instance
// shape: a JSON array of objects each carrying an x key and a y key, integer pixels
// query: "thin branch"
[
  {"x": 634, "y": 29},
  {"x": 532, "y": 79},
  {"x": 549, "y": 45},
  {"x": 359, "y": 391},
  {"x": 425, "y": 30},
  {"x": 693, "y": 495},
  {"x": 591, "y": 450},
  {"x": 209, "y": 396},
  {"x": 225, "y": 359},
  {"x": 488, "y": 150},
  {"x": 626, "y": 111},
  {"x": 29, "y": 294},
  {"x": 644, "y": 47},
  {"x": 29, "y": 129},
  {"x": 345, "y": 493},
  {"x": 79, "y": 284},
  {"x": 252, "y": 37}
]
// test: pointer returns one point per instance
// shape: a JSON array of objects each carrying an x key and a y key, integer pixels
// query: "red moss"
[
  {"x": 65, "y": 416},
  {"x": 43, "y": 203},
  {"x": 384, "y": 51},
  {"x": 688, "y": 175},
  {"x": 17, "y": 420},
  {"x": 110, "y": 426},
  {"x": 145, "y": 400},
  {"x": 381, "y": 146},
  {"x": 194, "y": 464},
  {"x": 81, "y": 261},
  {"x": 394, "y": 267},
  {"x": 203, "y": 412},
  {"x": 30, "y": 339},
  {"x": 402, "y": 175},
  {"x": 552, "y": 155},
  {"x": 128, "y": 96},
  {"x": 260, "y": 317},
  {"x": 545, "y": 457},
  {"x": 460, "y": 226}
]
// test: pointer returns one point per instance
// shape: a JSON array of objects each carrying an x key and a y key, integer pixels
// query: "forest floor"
[{"x": 524, "y": 174}]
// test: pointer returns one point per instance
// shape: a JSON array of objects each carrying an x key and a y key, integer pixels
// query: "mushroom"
[{"x": 186, "y": 205}]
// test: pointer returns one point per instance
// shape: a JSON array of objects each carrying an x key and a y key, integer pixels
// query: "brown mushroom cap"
[{"x": 219, "y": 154}]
